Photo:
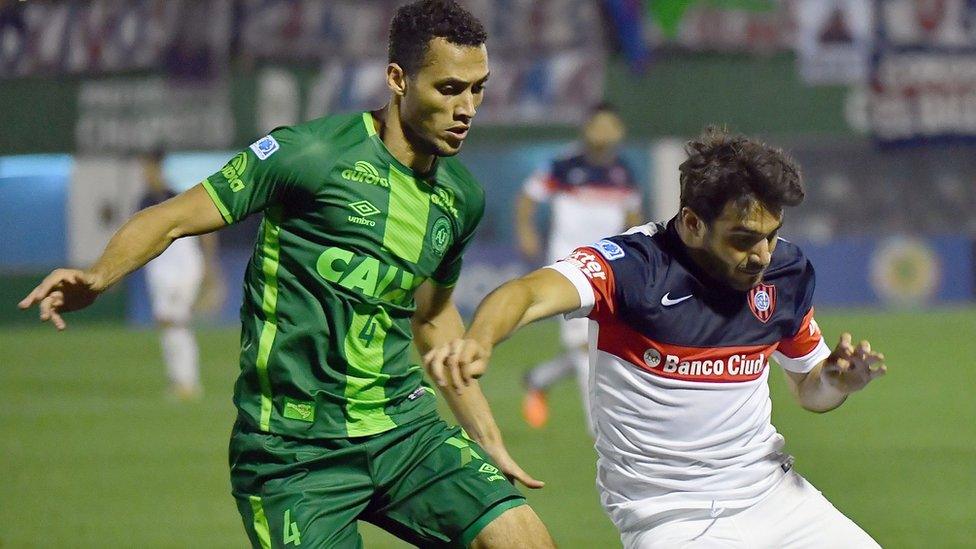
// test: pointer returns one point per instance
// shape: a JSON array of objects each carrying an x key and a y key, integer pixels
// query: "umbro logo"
[
  {"x": 364, "y": 209},
  {"x": 491, "y": 471},
  {"x": 667, "y": 301}
]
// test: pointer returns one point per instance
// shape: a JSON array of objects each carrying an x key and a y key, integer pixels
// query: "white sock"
[
  {"x": 547, "y": 374},
  {"x": 181, "y": 355}
]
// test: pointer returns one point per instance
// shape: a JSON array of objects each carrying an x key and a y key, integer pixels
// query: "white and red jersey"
[
  {"x": 678, "y": 372},
  {"x": 588, "y": 201}
]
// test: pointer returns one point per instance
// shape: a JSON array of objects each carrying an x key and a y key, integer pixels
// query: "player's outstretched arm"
[
  {"x": 143, "y": 237},
  {"x": 437, "y": 322},
  {"x": 846, "y": 370},
  {"x": 540, "y": 294}
]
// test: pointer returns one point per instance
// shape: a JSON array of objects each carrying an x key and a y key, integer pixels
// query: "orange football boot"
[{"x": 535, "y": 409}]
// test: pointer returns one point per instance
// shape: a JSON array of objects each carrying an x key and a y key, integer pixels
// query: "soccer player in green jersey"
[{"x": 366, "y": 217}]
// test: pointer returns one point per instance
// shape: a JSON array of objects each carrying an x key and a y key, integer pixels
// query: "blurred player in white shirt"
[
  {"x": 174, "y": 281},
  {"x": 592, "y": 193}
]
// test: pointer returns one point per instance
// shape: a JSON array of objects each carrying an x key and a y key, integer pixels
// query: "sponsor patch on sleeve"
[
  {"x": 609, "y": 250},
  {"x": 583, "y": 260},
  {"x": 265, "y": 147}
]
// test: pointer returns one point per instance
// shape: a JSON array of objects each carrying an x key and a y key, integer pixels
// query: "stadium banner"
[
  {"x": 103, "y": 193},
  {"x": 898, "y": 271},
  {"x": 923, "y": 75},
  {"x": 727, "y": 26},
  {"x": 153, "y": 113},
  {"x": 833, "y": 42}
]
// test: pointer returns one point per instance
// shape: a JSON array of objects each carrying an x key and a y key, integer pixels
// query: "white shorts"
[
  {"x": 793, "y": 515},
  {"x": 172, "y": 292}
]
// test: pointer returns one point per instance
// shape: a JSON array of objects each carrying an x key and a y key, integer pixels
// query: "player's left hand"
[
  {"x": 849, "y": 368},
  {"x": 499, "y": 454}
]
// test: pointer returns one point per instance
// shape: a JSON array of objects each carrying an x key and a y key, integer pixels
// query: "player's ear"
[
  {"x": 695, "y": 226},
  {"x": 396, "y": 79}
]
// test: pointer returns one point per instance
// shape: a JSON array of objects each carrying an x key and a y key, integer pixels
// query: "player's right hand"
[
  {"x": 849, "y": 369},
  {"x": 62, "y": 291},
  {"x": 457, "y": 363}
]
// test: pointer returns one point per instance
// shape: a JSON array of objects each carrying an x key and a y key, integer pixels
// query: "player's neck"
[{"x": 391, "y": 132}]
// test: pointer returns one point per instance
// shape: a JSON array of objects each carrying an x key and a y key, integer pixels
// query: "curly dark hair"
[
  {"x": 723, "y": 167},
  {"x": 415, "y": 25}
]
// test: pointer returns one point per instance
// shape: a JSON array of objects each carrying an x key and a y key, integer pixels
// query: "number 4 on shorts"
[{"x": 291, "y": 530}]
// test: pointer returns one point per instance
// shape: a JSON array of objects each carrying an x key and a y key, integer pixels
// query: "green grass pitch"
[{"x": 93, "y": 455}]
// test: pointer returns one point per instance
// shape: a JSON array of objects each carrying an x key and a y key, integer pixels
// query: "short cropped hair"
[
  {"x": 723, "y": 167},
  {"x": 415, "y": 25}
]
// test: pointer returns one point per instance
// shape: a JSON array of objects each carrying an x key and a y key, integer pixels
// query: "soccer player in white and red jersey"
[
  {"x": 684, "y": 317},
  {"x": 594, "y": 183},
  {"x": 174, "y": 280}
]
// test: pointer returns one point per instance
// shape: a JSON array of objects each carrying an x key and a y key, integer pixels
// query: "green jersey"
[{"x": 348, "y": 235}]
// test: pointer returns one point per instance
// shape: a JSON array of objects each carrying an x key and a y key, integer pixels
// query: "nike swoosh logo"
[{"x": 667, "y": 301}]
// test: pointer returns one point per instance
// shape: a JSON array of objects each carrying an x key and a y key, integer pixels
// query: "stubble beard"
[{"x": 423, "y": 144}]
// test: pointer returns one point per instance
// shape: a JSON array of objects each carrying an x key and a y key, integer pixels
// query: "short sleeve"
[
  {"x": 256, "y": 177},
  {"x": 449, "y": 271},
  {"x": 805, "y": 349},
  {"x": 591, "y": 275}
]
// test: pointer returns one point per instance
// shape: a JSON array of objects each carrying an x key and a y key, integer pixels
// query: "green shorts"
[{"x": 425, "y": 482}]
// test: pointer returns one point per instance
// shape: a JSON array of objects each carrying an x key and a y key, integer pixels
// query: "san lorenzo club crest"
[{"x": 762, "y": 301}]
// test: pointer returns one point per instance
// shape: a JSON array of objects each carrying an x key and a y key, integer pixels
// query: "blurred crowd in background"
[{"x": 875, "y": 98}]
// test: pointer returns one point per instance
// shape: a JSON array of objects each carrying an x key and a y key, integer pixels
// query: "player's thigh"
[
  {"x": 823, "y": 525},
  {"x": 438, "y": 488},
  {"x": 691, "y": 533},
  {"x": 796, "y": 515},
  {"x": 268, "y": 528},
  {"x": 290, "y": 492},
  {"x": 516, "y": 527}
]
